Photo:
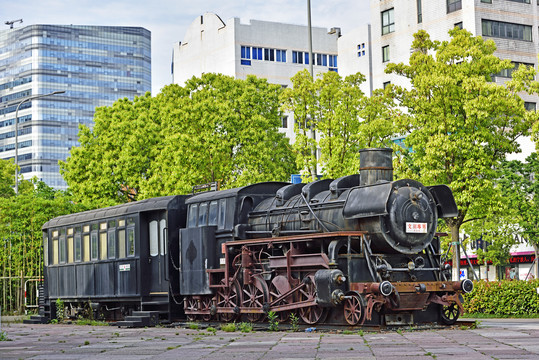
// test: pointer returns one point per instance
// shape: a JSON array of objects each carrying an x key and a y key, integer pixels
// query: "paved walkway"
[{"x": 492, "y": 340}]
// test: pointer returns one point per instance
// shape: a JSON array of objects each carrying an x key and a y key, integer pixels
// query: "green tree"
[
  {"x": 21, "y": 219},
  {"x": 215, "y": 128},
  {"x": 343, "y": 118},
  {"x": 7, "y": 178},
  {"x": 461, "y": 124}
]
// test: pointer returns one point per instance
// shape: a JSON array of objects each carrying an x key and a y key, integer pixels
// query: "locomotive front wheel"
[
  {"x": 191, "y": 304},
  {"x": 353, "y": 310},
  {"x": 310, "y": 314},
  {"x": 449, "y": 314},
  {"x": 255, "y": 296},
  {"x": 228, "y": 298}
]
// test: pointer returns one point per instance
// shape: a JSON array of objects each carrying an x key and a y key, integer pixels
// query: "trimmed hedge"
[{"x": 504, "y": 298}]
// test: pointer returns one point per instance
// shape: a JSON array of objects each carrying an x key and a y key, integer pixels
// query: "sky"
[{"x": 168, "y": 20}]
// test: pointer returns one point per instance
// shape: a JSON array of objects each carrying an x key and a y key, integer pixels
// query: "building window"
[
  {"x": 487, "y": 1},
  {"x": 506, "y": 30},
  {"x": 530, "y": 106},
  {"x": 322, "y": 59},
  {"x": 419, "y": 12},
  {"x": 284, "y": 120},
  {"x": 459, "y": 25},
  {"x": 297, "y": 57},
  {"x": 388, "y": 22},
  {"x": 361, "y": 50},
  {"x": 269, "y": 54},
  {"x": 280, "y": 55},
  {"x": 246, "y": 55},
  {"x": 257, "y": 53},
  {"x": 522, "y": 1},
  {"x": 508, "y": 73},
  {"x": 385, "y": 53},
  {"x": 333, "y": 63},
  {"x": 453, "y": 5}
]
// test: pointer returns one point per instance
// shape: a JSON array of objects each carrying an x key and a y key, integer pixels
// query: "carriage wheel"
[
  {"x": 228, "y": 298},
  {"x": 311, "y": 314},
  {"x": 255, "y": 295},
  {"x": 449, "y": 314},
  {"x": 206, "y": 306},
  {"x": 191, "y": 304},
  {"x": 282, "y": 316},
  {"x": 353, "y": 310}
]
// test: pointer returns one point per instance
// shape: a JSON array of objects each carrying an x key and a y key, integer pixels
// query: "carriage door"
[{"x": 158, "y": 251}]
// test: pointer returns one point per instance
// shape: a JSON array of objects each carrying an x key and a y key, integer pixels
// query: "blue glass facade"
[{"x": 94, "y": 65}]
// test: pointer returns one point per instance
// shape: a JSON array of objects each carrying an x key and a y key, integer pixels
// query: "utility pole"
[{"x": 311, "y": 60}]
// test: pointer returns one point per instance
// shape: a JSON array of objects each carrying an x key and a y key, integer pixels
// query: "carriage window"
[
  {"x": 192, "y": 219},
  {"x": 112, "y": 223},
  {"x": 130, "y": 220},
  {"x": 55, "y": 251},
  {"x": 62, "y": 249},
  {"x": 202, "y": 214},
  {"x": 212, "y": 216},
  {"x": 86, "y": 249},
  {"x": 103, "y": 226},
  {"x": 78, "y": 247},
  {"x": 102, "y": 246},
  {"x": 70, "y": 231},
  {"x": 46, "y": 249},
  {"x": 86, "y": 228},
  {"x": 121, "y": 243},
  {"x": 70, "y": 248},
  {"x": 121, "y": 222},
  {"x": 111, "y": 239},
  {"x": 162, "y": 237},
  {"x": 154, "y": 237},
  {"x": 131, "y": 241},
  {"x": 222, "y": 208},
  {"x": 94, "y": 245}
]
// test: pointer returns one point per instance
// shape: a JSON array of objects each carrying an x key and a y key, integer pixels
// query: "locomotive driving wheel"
[
  {"x": 353, "y": 309},
  {"x": 310, "y": 314},
  {"x": 255, "y": 295},
  {"x": 191, "y": 304},
  {"x": 229, "y": 298},
  {"x": 449, "y": 314},
  {"x": 282, "y": 316}
]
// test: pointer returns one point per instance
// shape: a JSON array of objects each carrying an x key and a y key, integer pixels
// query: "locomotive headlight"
[
  {"x": 386, "y": 288},
  {"x": 411, "y": 265},
  {"x": 466, "y": 285}
]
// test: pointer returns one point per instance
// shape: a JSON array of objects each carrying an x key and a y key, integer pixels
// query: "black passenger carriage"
[{"x": 114, "y": 260}]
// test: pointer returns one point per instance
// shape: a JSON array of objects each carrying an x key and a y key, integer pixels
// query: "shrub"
[{"x": 503, "y": 298}]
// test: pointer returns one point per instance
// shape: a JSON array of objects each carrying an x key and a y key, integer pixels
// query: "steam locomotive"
[{"x": 361, "y": 249}]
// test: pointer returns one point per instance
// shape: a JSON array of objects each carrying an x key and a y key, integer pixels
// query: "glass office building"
[{"x": 94, "y": 65}]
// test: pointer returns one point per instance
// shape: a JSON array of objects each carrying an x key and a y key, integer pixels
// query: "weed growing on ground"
[
  {"x": 192, "y": 326},
  {"x": 231, "y": 327},
  {"x": 211, "y": 330},
  {"x": 3, "y": 336},
  {"x": 294, "y": 321},
  {"x": 245, "y": 327},
  {"x": 273, "y": 321}
]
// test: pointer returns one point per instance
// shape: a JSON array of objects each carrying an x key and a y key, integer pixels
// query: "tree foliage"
[
  {"x": 461, "y": 124},
  {"x": 215, "y": 128},
  {"x": 7, "y": 178},
  {"x": 342, "y": 117},
  {"x": 21, "y": 219}
]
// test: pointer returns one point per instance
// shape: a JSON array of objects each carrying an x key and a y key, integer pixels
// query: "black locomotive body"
[{"x": 362, "y": 249}]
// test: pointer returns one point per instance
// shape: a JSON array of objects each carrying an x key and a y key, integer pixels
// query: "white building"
[
  {"x": 512, "y": 24},
  {"x": 270, "y": 50}
]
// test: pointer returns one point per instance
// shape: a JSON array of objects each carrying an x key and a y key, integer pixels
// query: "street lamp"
[{"x": 17, "y": 132}]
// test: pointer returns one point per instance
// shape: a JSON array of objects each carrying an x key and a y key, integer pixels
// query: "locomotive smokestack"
[{"x": 375, "y": 165}]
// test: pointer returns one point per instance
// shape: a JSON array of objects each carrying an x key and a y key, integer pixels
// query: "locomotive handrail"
[
  {"x": 312, "y": 212},
  {"x": 306, "y": 237}
]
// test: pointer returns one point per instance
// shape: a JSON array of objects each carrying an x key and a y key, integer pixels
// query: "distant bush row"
[{"x": 503, "y": 298}]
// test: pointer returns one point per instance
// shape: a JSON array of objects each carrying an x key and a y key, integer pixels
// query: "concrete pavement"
[{"x": 505, "y": 339}]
